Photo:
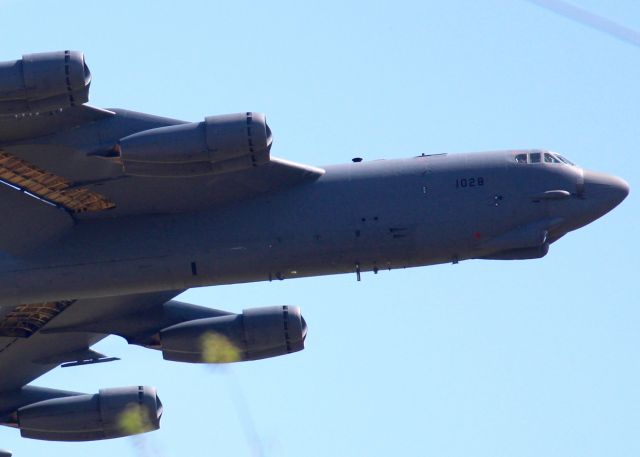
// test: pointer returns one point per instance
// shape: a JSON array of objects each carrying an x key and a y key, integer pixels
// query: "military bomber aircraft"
[{"x": 111, "y": 213}]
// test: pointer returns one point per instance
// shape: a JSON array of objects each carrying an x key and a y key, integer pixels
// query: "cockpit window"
[
  {"x": 521, "y": 158},
  {"x": 548, "y": 158},
  {"x": 542, "y": 156},
  {"x": 564, "y": 160}
]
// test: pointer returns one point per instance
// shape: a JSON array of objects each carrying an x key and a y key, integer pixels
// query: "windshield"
[
  {"x": 564, "y": 159},
  {"x": 542, "y": 157}
]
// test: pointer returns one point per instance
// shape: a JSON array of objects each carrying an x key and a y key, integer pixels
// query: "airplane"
[{"x": 112, "y": 213}]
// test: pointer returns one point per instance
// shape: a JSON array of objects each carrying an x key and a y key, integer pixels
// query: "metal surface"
[
  {"x": 92, "y": 272},
  {"x": 51, "y": 188}
]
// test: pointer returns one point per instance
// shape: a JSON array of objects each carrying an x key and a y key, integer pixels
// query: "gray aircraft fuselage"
[
  {"x": 110, "y": 214},
  {"x": 382, "y": 214}
]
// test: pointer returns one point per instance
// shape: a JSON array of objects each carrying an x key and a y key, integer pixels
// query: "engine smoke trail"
[
  {"x": 144, "y": 446},
  {"x": 243, "y": 411}
]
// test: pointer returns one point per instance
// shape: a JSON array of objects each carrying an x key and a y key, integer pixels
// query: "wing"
[
  {"x": 30, "y": 221},
  {"x": 27, "y": 351},
  {"x": 63, "y": 167}
]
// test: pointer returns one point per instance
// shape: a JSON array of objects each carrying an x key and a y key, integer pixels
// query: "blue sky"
[{"x": 484, "y": 358}]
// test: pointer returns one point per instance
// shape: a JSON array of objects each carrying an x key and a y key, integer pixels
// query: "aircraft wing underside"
[
  {"x": 30, "y": 345},
  {"x": 61, "y": 167}
]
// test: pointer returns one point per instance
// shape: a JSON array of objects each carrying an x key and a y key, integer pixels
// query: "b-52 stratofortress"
[{"x": 110, "y": 214}]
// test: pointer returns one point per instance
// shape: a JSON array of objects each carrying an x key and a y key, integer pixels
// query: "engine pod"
[
  {"x": 219, "y": 144},
  {"x": 112, "y": 413},
  {"x": 44, "y": 82},
  {"x": 257, "y": 333},
  {"x": 270, "y": 331}
]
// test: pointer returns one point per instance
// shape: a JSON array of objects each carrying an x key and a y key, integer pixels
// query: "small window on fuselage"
[
  {"x": 534, "y": 157},
  {"x": 521, "y": 158}
]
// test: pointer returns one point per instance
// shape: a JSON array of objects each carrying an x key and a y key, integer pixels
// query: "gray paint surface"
[{"x": 274, "y": 221}]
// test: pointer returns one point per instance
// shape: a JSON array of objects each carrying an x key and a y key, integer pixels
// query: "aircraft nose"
[{"x": 605, "y": 192}]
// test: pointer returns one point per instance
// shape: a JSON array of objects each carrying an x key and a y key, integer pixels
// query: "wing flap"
[
  {"x": 25, "y": 320},
  {"x": 49, "y": 186}
]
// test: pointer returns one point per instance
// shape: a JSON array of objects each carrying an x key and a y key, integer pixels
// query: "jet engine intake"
[
  {"x": 43, "y": 82},
  {"x": 112, "y": 413},
  {"x": 220, "y": 144},
  {"x": 257, "y": 333}
]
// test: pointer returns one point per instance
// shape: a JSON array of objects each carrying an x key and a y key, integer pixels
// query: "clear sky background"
[{"x": 485, "y": 358}]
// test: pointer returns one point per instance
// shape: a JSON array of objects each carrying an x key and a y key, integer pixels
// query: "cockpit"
[{"x": 542, "y": 157}]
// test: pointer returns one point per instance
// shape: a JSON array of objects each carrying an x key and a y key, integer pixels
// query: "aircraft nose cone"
[
  {"x": 607, "y": 189},
  {"x": 598, "y": 193}
]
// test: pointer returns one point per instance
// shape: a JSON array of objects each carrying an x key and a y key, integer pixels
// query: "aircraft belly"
[
  {"x": 259, "y": 260},
  {"x": 89, "y": 280}
]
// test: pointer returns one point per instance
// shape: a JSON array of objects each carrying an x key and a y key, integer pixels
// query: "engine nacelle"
[
  {"x": 255, "y": 334},
  {"x": 43, "y": 82},
  {"x": 220, "y": 144},
  {"x": 112, "y": 413}
]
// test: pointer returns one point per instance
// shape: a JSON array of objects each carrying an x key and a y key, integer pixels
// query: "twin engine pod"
[
  {"x": 220, "y": 144},
  {"x": 112, "y": 413},
  {"x": 257, "y": 333},
  {"x": 43, "y": 82}
]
